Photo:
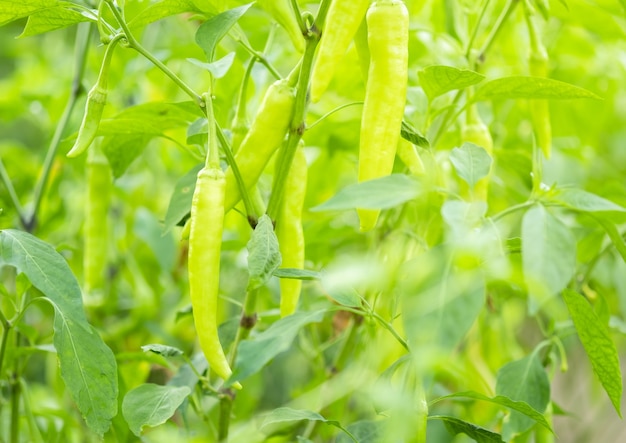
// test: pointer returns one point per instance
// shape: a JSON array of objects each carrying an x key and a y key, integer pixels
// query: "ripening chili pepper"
[
  {"x": 265, "y": 136},
  {"x": 409, "y": 156},
  {"x": 476, "y": 131},
  {"x": 284, "y": 14},
  {"x": 96, "y": 230},
  {"x": 290, "y": 233},
  {"x": 385, "y": 94},
  {"x": 205, "y": 242},
  {"x": 539, "y": 108},
  {"x": 94, "y": 107},
  {"x": 342, "y": 21}
]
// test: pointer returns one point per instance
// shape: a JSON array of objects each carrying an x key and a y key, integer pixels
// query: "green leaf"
[
  {"x": 58, "y": 17},
  {"x": 478, "y": 434},
  {"x": 150, "y": 119},
  {"x": 256, "y": 352},
  {"x": 152, "y": 405},
  {"x": 162, "y": 9},
  {"x": 437, "y": 80},
  {"x": 263, "y": 253},
  {"x": 583, "y": 201},
  {"x": 197, "y": 132},
  {"x": 519, "y": 406},
  {"x": 213, "y": 30},
  {"x": 381, "y": 193},
  {"x": 411, "y": 134},
  {"x": 165, "y": 351},
  {"x": 297, "y": 274},
  {"x": 366, "y": 431},
  {"x": 186, "y": 376},
  {"x": 530, "y": 87},
  {"x": 594, "y": 336},
  {"x": 471, "y": 162},
  {"x": 148, "y": 229},
  {"x": 523, "y": 380},
  {"x": 281, "y": 415},
  {"x": 285, "y": 415},
  {"x": 122, "y": 150},
  {"x": 442, "y": 309},
  {"x": 13, "y": 9},
  {"x": 88, "y": 366},
  {"x": 180, "y": 202},
  {"x": 548, "y": 251},
  {"x": 218, "y": 68}
]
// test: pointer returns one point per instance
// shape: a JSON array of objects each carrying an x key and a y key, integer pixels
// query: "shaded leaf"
[
  {"x": 281, "y": 415},
  {"x": 530, "y": 87},
  {"x": 180, "y": 202},
  {"x": 214, "y": 29},
  {"x": 152, "y": 405},
  {"x": 218, "y": 68},
  {"x": 298, "y": 274},
  {"x": 584, "y": 201},
  {"x": 122, "y": 150},
  {"x": 88, "y": 366},
  {"x": 253, "y": 354},
  {"x": 437, "y": 80},
  {"x": 411, "y": 134},
  {"x": 162, "y": 9},
  {"x": 548, "y": 250},
  {"x": 165, "y": 351},
  {"x": 471, "y": 162},
  {"x": 381, "y": 193},
  {"x": 596, "y": 340},
  {"x": 263, "y": 253},
  {"x": 478, "y": 434},
  {"x": 518, "y": 406},
  {"x": 523, "y": 380}
]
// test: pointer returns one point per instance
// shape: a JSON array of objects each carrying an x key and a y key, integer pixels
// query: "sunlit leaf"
[
  {"x": 471, "y": 162},
  {"x": 530, "y": 87},
  {"x": 437, "y": 80}
]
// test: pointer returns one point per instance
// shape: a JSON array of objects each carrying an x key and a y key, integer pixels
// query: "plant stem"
[
  {"x": 246, "y": 323},
  {"x": 15, "y": 398},
  {"x": 134, "y": 44},
  {"x": 506, "y": 12},
  {"x": 470, "y": 43},
  {"x": 6, "y": 328},
  {"x": 331, "y": 112},
  {"x": 512, "y": 209},
  {"x": 83, "y": 35},
  {"x": 347, "y": 346},
  {"x": 6, "y": 180},
  {"x": 296, "y": 11},
  {"x": 230, "y": 159},
  {"x": 260, "y": 57},
  {"x": 298, "y": 123},
  {"x": 226, "y": 406}
]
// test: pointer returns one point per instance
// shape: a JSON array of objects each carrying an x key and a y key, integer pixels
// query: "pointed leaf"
[
  {"x": 58, "y": 17},
  {"x": 218, "y": 68},
  {"x": 281, "y": 415},
  {"x": 213, "y": 30},
  {"x": 478, "y": 434},
  {"x": 411, "y": 134},
  {"x": 584, "y": 201},
  {"x": 471, "y": 162},
  {"x": 381, "y": 193},
  {"x": 548, "y": 250},
  {"x": 152, "y": 405},
  {"x": 596, "y": 340},
  {"x": 13, "y": 9},
  {"x": 297, "y": 274},
  {"x": 263, "y": 253},
  {"x": 180, "y": 202},
  {"x": 523, "y": 380},
  {"x": 256, "y": 352},
  {"x": 162, "y": 9},
  {"x": 518, "y": 406},
  {"x": 88, "y": 366},
  {"x": 530, "y": 87},
  {"x": 437, "y": 80},
  {"x": 165, "y": 351}
]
